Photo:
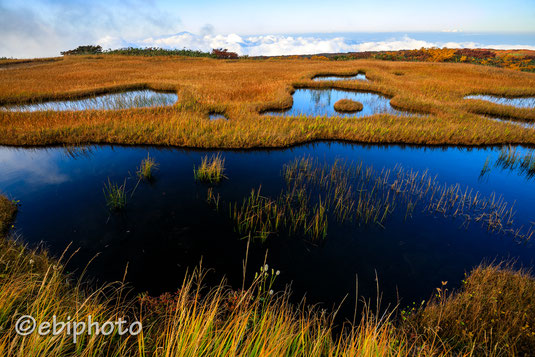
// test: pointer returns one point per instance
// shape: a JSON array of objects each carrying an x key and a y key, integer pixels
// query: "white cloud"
[
  {"x": 37, "y": 168},
  {"x": 273, "y": 45}
]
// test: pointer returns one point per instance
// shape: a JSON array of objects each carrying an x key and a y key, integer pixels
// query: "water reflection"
[
  {"x": 526, "y": 102},
  {"x": 359, "y": 77},
  {"x": 320, "y": 102},
  {"x": 115, "y": 101},
  {"x": 168, "y": 226}
]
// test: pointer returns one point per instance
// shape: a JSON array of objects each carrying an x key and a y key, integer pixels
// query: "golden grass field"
[{"x": 241, "y": 89}]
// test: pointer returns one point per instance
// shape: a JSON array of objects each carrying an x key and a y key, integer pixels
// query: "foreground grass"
[
  {"x": 8, "y": 210},
  {"x": 491, "y": 315},
  {"x": 242, "y": 89}
]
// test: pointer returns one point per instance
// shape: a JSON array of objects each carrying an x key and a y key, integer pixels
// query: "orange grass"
[
  {"x": 347, "y": 106},
  {"x": 243, "y": 88},
  {"x": 493, "y": 314}
]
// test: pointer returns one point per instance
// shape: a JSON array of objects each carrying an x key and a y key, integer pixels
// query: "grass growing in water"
[
  {"x": 115, "y": 195},
  {"x": 348, "y": 192},
  {"x": 211, "y": 169},
  {"x": 146, "y": 169}
]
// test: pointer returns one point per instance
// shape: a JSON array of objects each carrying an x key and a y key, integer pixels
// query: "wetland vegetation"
[
  {"x": 488, "y": 313},
  {"x": 386, "y": 242},
  {"x": 242, "y": 92}
]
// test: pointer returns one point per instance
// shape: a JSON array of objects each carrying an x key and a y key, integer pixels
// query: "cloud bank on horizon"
[
  {"x": 275, "y": 45},
  {"x": 43, "y": 28}
]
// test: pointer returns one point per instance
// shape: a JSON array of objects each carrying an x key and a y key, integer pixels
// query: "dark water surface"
[{"x": 168, "y": 227}]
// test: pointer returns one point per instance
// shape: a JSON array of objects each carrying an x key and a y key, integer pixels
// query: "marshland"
[{"x": 269, "y": 206}]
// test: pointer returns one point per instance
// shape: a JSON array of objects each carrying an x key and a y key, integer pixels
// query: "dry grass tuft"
[
  {"x": 492, "y": 315},
  {"x": 348, "y": 106}
]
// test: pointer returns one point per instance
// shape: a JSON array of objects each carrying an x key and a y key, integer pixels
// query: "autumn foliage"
[{"x": 224, "y": 54}]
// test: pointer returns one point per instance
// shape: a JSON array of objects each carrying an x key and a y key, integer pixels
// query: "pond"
[
  {"x": 217, "y": 116},
  {"x": 168, "y": 227},
  {"x": 526, "y": 102},
  {"x": 320, "y": 102},
  {"x": 115, "y": 101},
  {"x": 359, "y": 77}
]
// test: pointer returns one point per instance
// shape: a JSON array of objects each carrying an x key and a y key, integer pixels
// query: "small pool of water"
[
  {"x": 115, "y": 101},
  {"x": 320, "y": 102},
  {"x": 359, "y": 77},
  {"x": 527, "y": 102},
  {"x": 523, "y": 124},
  {"x": 215, "y": 116},
  {"x": 168, "y": 226}
]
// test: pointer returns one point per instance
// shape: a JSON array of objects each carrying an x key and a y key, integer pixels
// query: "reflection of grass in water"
[
  {"x": 117, "y": 101},
  {"x": 353, "y": 193},
  {"x": 527, "y": 102},
  {"x": 485, "y": 169},
  {"x": 511, "y": 159}
]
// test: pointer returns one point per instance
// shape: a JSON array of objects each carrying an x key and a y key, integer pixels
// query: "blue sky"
[
  {"x": 45, "y": 27},
  {"x": 279, "y": 16}
]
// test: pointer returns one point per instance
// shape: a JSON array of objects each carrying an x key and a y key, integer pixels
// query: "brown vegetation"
[
  {"x": 8, "y": 209},
  {"x": 492, "y": 315},
  {"x": 347, "y": 106},
  {"x": 244, "y": 88}
]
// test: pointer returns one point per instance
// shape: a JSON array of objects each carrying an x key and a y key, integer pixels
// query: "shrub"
[
  {"x": 223, "y": 54},
  {"x": 83, "y": 50}
]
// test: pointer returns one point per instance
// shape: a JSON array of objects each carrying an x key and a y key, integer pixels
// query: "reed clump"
[
  {"x": 147, "y": 167},
  {"x": 211, "y": 169},
  {"x": 115, "y": 195},
  {"x": 348, "y": 106}
]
